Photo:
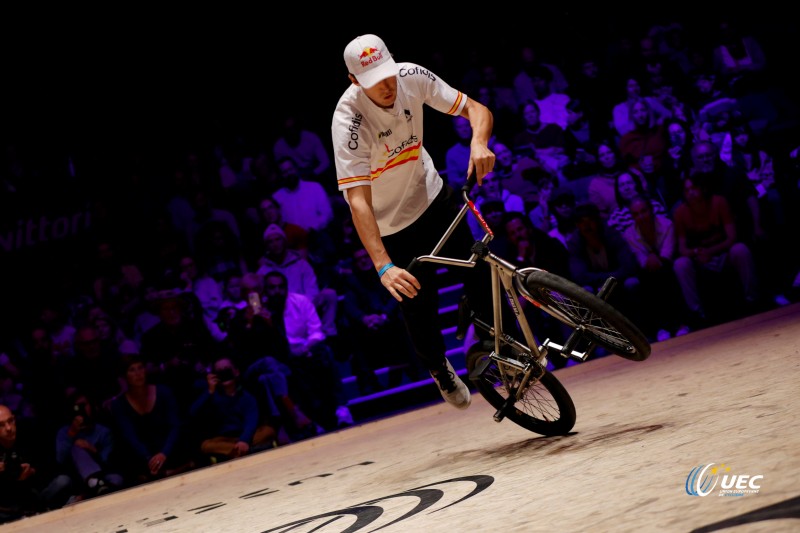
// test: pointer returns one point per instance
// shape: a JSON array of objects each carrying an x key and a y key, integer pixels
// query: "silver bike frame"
[{"x": 505, "y": 274}]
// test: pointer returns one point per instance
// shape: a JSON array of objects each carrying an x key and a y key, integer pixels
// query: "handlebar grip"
[
  {"x": 414, "y": 262},
  {"x": 471, "y": 181}
]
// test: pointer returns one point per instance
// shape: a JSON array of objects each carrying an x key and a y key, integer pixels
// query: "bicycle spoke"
[
  {"x": 535, "y": 401},
  {"x": 579, "y": 315}
]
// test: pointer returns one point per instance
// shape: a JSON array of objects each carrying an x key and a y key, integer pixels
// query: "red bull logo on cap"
[
  {"x": 370, "y": 55},
  {"x": 367, "y": 52}
]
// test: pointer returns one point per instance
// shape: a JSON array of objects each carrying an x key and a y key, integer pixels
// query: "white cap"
[{"x": 369, "y": 61}]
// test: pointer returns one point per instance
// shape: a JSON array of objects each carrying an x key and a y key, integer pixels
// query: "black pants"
[{"x": 421, "y": 313}]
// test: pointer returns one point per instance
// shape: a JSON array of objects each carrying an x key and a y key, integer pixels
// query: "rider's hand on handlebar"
[
  {"x": 400, "y": 282},
  {"x": 481, "y": 160}
]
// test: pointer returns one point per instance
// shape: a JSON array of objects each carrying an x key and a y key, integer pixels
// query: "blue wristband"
[{"x": 384, "y": 268}]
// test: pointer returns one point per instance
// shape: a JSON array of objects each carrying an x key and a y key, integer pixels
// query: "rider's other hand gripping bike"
[{"x": 511, "y": 374}]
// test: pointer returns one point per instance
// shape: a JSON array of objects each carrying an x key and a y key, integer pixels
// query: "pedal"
[
  {"x": 581, "y": 356},
  {"x": 477, "y": 372}
]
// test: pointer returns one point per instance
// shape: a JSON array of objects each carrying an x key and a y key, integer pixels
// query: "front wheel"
[
  {"x": 597, "y": 320},
  {"x": 545, "y": 407}
]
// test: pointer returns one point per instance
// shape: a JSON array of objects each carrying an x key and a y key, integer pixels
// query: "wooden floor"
[{"x": 728, "y": 395}]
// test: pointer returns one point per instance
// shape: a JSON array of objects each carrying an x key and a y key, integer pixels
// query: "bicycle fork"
[{"x": 515, "y": 374}]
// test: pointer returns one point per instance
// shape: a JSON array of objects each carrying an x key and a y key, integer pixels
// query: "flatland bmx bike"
[{"x": 512, "y": 374}]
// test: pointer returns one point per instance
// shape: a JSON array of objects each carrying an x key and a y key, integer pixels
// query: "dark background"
[
  {"x": 99, "y": 86},
  {"x": 148, "y": 78}
]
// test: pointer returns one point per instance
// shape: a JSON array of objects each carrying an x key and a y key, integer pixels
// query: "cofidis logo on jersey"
[{"x": 703, "y": 479}]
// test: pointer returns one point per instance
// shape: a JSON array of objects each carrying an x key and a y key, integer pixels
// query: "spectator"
[
  {"x": 623, "y": 112},
  {"x": 708, "y": 243},
  {"x": 540, "y": 215},
  {"x": 269, "y": 213},
  {"x": 580, "y": 136},
  {"x": 647, "y": 138},
  {"x": 677, "y": 163},
  {"x": 228, "y": 416},
  {"x": 205, "y": 213},
  {"x": 371, "y": 321},
  {"x": 86, "y": 448},
  {"x": 552, "y": 105},
  {"x": 562, "y": 205},
  {"x": 11, "y": 387},
  {"x": 533, "y": 247},
  {"x": 116, "y": 280},
  {"x": 594, "y": 90},
  {"x": 28, "y": 484},
  {"x": 714, "y": 107},
  {"x": 601, "y": 185},
  {"x": 148, "y": 426},
  {"x": 302, "y": 202},
  {"x": 510, "y": 172},
  {"x": 301, "y": 275},
  {"x": 597, "y": 253},
  {"x": 207, "y": 289},
  {"x": 314, "y": 378},
  {"x": 457, "y": 156},
  {"x": 305, "y": 148},
  {"x": 544, "y": 142},
  {"x": 179, "y": 348},
  {"x": 627, "y": 186},
  {"x": 733, "y": 185},
  {"x": 255, "y": 342},
  {"x": 738, "y": 57},
  {"x": 56, "y": 321},
  {"x": 93, "y": 370},
  {"x": 523, "y": 81},
  {"x": 651, "y": 237}
]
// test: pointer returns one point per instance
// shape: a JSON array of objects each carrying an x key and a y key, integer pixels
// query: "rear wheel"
[
  {"x": 545, "y": 407},
  {"x": 596, "y": 319}
]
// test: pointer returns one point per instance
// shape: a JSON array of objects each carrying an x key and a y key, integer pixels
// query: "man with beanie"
[{"x": 399, "y": 203}]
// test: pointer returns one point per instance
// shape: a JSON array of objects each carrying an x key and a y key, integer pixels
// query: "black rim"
[
  {"x": 586, "y": 320},
  {"x": 536, "y": 403}
]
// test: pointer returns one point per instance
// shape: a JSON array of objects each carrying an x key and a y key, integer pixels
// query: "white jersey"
[{"x": 383, "y": 148}]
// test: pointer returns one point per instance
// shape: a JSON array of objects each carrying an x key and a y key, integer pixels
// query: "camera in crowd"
[
  {"x": 225, "y": 374},
  {"x": 80, "y": 409},
  {"x": 12, "y": 462}
]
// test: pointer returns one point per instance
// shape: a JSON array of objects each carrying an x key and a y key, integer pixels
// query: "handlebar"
[
  {"x": 471, "y": 181},
  {"x": 469, "y": 205}
]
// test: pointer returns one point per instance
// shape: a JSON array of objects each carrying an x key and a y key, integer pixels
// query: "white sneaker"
[{"x": 453, "y": 390}]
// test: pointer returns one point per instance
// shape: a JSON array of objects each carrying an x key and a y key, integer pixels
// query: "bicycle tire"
[
  {"x": 545, "y": 408},
  {"x": 599, "y": 321}
]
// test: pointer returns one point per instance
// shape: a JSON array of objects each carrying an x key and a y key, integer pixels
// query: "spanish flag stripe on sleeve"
[
  {"x": 353, "y": 179},
  {"x": 455, "y": 105}
]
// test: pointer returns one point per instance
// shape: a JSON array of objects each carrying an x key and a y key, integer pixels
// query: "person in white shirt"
[
  {"x": 399, "y": 203},
  {"x": 314, "y": 376},
  {"x": 302, "y": 202}
]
